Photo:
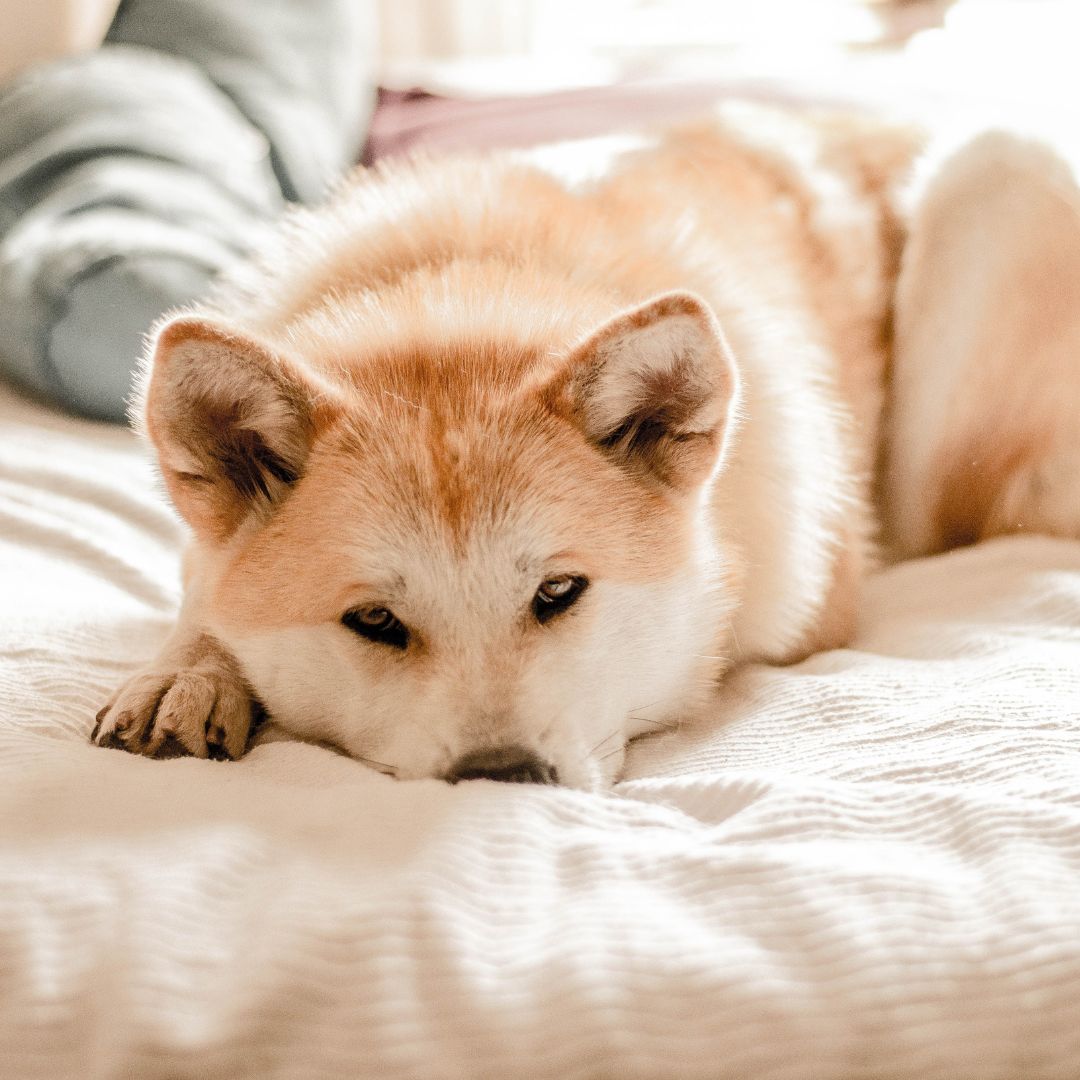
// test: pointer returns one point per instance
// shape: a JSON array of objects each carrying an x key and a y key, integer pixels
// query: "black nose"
[{"x": 508, "y": 764}]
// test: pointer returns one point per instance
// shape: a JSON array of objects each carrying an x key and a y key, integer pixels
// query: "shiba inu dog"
[{"x": 489, "y": 472}]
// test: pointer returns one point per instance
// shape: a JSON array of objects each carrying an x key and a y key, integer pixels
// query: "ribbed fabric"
[{"x": 866, "y": 866}]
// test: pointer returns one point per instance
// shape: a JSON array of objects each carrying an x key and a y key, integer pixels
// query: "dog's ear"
[
  {"x": 231, "y": 420},
  {"x": 654, "y": 387}
]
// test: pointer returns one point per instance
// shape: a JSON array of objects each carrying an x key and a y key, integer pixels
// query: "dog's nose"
[{"x": 508, "y": 764}]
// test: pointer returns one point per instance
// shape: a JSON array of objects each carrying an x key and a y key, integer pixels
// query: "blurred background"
[
  {"x": 1007, "y": 49},
  {"x": 1002, "y": 48},
  {"x": 131, "y": 175}
]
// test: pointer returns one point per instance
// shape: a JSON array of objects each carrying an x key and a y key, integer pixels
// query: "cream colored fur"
[{"x": 665, "y": 372}]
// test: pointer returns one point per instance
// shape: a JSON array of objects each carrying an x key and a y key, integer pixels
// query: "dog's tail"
[{"x": 983, "y": 432}]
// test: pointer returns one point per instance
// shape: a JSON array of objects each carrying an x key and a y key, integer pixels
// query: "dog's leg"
[
  {"x": 192, "y": 698},
  {"x": 984, "y": 427}
]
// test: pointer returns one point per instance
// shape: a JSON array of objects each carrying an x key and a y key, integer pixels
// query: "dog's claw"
[
  {"x": 110, "y": 741},
  {"x": 215, "y": 743}
]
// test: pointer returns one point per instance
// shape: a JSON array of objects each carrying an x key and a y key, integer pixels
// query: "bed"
[{"x": 866, "y": 865}]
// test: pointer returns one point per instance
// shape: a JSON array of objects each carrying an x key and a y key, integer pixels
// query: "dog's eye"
[
  {"x": 377, "y": 624},
  {"x": 557, "y": 594}
]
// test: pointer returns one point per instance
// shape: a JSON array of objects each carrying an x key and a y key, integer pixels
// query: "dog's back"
[{"x": 489, "y": 471}]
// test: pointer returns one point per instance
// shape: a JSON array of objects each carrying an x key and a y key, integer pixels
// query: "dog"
[{"x": 489, "y": 471}]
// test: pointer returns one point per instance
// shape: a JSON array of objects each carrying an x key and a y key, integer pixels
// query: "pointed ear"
[
  {"x": 653, "y": 388},
  {"x": 232, "y": 423}
]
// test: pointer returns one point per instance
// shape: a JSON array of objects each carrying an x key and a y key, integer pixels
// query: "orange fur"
[
  {"x": 463, "y": 381},
  {"x": 495, "y": 263}
]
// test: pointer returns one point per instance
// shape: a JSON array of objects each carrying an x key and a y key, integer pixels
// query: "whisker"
[
  {"x": 610, "y": 753},
  {"x": 380, "y": 766},
  {"x": 664, "y": 725},
  {"x": 602, "y": 741},
  {"x": 642, "y": 708},
  {"x": 335, "y": 748}
]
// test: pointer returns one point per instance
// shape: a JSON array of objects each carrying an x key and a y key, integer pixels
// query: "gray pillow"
[{"x": 131, "y": 176}]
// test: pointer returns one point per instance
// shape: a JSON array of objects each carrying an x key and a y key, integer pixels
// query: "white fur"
[
  {"x": 645, "y": 641},
  {"x": 769, "y": 522},
  {"x": 971, "y": 357}
]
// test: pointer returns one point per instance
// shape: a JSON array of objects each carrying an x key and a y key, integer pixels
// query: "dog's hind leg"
[{"x": 983, "y": 433}]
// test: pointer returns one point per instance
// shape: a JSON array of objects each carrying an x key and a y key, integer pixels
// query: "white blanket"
[{"x": 867, "y": 866}]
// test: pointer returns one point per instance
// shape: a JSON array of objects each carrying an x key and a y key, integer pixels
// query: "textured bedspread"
[{"x": 868, "y": 866}]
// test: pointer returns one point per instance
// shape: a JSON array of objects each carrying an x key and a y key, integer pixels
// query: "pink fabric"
[{"x": 407, "y": 120}]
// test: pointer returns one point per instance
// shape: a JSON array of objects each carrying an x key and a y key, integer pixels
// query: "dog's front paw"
[{"x": 204, "y": 709}]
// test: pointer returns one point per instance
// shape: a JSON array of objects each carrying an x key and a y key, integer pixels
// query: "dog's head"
[{"x": 465, "y": 561}]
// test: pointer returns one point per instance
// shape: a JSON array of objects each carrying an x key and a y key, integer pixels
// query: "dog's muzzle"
[{"x": 507, "y": 764}]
